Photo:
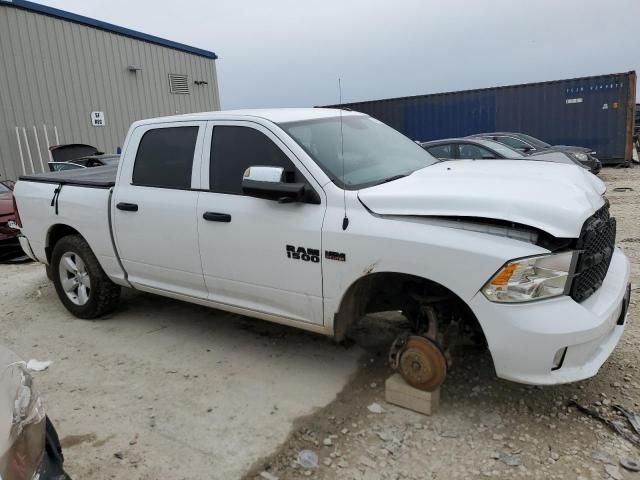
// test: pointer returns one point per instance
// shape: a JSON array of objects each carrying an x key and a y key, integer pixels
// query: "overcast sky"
[{"x": 275, "y": 53}]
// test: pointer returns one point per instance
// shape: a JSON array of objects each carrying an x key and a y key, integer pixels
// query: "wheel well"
[
  {"x": 56, "y": 233},
  {"x": 388, "y": 291}
]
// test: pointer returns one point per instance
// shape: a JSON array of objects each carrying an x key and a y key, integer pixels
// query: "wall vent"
[{"x": 178, "y": 84}]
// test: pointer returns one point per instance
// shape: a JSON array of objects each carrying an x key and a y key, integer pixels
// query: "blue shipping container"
[{"x": 594, "y": 112}]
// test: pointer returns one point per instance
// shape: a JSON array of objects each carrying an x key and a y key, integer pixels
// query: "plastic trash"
[
  {"x": 38, "y": 365},
  {"x": 307, "y": 459}
]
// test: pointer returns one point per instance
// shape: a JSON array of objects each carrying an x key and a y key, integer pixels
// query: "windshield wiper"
[{"x": 392, "y": 178}]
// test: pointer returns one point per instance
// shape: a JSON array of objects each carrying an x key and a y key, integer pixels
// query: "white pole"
[
  {"x": 26, "y": 144},
  {"x": 35, "y": 134},
  {"x": 46, "y": 139},
  {"x": 55, "y": 130},
  {"x": 24, "y": 170}
]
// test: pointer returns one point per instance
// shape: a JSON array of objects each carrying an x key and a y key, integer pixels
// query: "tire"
[
  {"x": 87, "y": 292},
  {"x": 48, "y": 270}
]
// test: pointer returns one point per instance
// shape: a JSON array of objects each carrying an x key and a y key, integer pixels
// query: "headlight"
[
  {"x": 532, "y": 278},
  {"x": 22, "y": 444},
  {"x": 582, "y": 157}
]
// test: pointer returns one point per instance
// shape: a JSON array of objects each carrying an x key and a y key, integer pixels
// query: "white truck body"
[{"x": 453, "y": 223}]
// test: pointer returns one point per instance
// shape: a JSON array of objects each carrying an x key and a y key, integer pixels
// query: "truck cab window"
[
  {"x": 165, "y": 158},
  {"x": 234, "y": 149}
]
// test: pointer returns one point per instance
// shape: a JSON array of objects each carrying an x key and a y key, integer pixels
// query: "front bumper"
[{"x": 524, "y": 338}]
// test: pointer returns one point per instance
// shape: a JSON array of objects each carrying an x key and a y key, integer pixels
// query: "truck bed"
[{"x": 95, "y": 177}]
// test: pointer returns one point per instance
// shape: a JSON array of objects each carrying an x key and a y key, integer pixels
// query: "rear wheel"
[{"x": 81, "y": 284}]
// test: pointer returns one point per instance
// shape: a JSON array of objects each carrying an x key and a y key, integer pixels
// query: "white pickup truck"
[{"x": 315, "y": 217}]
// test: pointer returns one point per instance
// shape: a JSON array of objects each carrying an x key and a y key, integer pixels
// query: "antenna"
[{"x": 345, "y": 220}]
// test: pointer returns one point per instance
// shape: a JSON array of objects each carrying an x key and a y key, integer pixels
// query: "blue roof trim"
[{"x": 109, "y": 27}]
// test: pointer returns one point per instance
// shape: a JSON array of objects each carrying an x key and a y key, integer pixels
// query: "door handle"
[
  {"x": 217, "y": 217},
  {"x": 127, "y": 207}
]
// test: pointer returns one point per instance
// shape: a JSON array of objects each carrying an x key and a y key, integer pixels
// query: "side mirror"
[{"x": 268, "y": 183}]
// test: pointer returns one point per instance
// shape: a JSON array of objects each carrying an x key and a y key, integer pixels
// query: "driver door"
[{"x": 258, "y": 254}]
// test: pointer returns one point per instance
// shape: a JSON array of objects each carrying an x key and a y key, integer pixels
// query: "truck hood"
[{"x": 552, "y": 197}]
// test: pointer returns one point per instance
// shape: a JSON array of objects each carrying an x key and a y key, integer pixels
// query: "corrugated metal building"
[
  {"x": 595, "y": 112},
  {"x": 65, "y": 78}
]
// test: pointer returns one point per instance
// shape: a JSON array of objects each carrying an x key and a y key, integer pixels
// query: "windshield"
[
  {"x": 4, "y": 188},
  {"x": 502, "y": 149},
  {"x": 536, "y": 142},
  {"x": 373, "y": 152}
]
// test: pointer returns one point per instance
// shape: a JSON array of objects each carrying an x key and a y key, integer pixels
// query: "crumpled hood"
[{"x": 553, "y": 197}]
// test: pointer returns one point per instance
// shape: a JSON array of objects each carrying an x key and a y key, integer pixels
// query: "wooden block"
[{"x": 400, "y": 393}]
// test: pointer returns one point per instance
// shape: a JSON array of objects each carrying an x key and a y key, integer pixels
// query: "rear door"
[
  {"x": 155, "y": 208},
  {"x": 260, "y": 255}
]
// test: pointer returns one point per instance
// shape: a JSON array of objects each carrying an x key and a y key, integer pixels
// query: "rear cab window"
[{"x": 165, "y": 157}]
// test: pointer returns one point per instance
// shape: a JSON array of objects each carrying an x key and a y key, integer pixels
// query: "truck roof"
[{"x": 275, "y": 115}]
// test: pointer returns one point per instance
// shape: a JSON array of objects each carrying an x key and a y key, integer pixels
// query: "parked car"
[
  {"x": 9, "y": 245},
  {"x": 534, "y": 146},
  {"x": 77, "y": 155},
  {"x": 29, "y": 445},
  {"x": 10, "y": 184},
  {"x": 315, "y": 217},
  {"x": 483, "y": 149}
]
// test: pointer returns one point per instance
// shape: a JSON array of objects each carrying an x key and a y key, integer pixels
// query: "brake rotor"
[{"x": 422, "y": 363}]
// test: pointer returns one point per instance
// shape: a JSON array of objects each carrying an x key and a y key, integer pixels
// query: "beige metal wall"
[{"x": 54, "y": 73}]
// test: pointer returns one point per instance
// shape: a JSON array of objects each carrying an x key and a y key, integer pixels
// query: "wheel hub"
[
  {"x": 74, "y": 278},
  {"x": 422, "y": 364}
]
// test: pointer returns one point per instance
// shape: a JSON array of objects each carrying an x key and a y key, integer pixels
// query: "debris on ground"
[
  {"x": 267, "y": 476},
  {"x": 632, "y": 417},
  {"x": 633, "y": 465},
  {"x": 375, "y": 408},
  {"x": 308, "y": 459},
  {"x": 513, "y": 460},
  {"x": 615, "y": 426},
  {"x": 38, "y": 365},
  {"x": 613, "y": 472}
]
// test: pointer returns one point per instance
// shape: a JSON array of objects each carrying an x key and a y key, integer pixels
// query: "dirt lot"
[{"x": 167, "y": 389}]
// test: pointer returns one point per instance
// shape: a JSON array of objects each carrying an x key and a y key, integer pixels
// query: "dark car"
[
  {"x": 483, "y": 149},
  {"x": 29, "y": 445},
  {"x": 9, "y": 245},
  {"x": 534, "y": 146},
  {"x": 78, "y": 155}
]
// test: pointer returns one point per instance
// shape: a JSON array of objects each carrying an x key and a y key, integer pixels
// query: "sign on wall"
[{"x": 97, "y": 119}]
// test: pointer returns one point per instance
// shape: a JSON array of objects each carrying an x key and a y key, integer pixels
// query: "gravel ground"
[
  {"x": 163, "y": 389},
  {"x": 485, "y": 427}
]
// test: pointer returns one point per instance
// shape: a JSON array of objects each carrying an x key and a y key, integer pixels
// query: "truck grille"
[{"x": 597, "y": 241}]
